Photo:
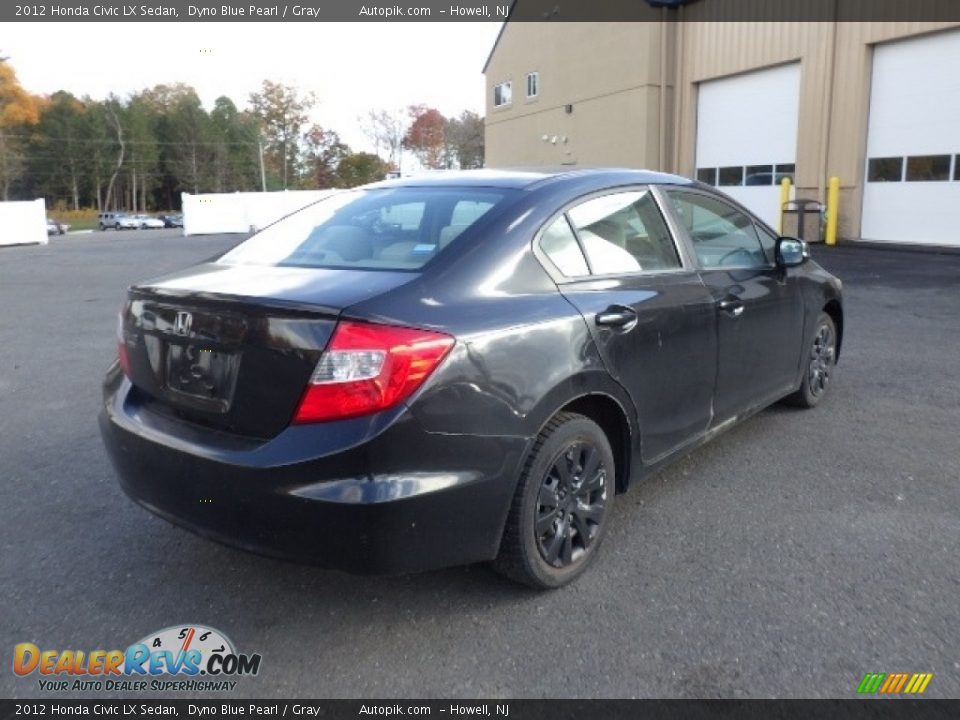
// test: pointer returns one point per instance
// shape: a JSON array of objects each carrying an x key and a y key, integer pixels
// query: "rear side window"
[
  {"x": 385, "y": 229},
  {"x": 560, "y": 245},
  {"x": 625, "y": 233}
]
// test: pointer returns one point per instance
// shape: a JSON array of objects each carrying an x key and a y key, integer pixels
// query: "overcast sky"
[{"x": 352, "y": 67}]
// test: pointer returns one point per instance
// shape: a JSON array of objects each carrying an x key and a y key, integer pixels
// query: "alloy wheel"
[
  {"x": 571, "y": 504},
  {"x": 822, "y": 357}
]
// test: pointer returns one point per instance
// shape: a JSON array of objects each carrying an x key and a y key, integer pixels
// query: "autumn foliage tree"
[
  {"x": 19, "y": 110},
  {"x": 324, "y": 151},
  {"x": 425, "y": 136}
]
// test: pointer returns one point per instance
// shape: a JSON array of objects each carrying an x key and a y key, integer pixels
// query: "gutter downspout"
[{"x": 662, "y": 160}]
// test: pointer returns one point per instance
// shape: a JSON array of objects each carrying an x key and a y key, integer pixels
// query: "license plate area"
[{"x": 200, "y": 377}]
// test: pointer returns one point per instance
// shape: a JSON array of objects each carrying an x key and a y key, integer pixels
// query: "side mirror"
[{"x": 791, "y": 252}]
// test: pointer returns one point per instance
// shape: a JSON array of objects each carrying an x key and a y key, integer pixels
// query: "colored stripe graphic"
[
  {"x": 894, "y": 683},
  {"x": 871, "y": 683}
]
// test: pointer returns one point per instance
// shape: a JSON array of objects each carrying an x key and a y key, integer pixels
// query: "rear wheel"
[
  {"x": 820, "y": 361},
  {"x": 561, "y": 508}
]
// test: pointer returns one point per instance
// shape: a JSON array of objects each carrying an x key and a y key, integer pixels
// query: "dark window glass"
[
  {"x": 707, "y": 175},
  {"x": 759, "y": 175},
  {"x": 928, "y": 168},
  {"x": 786, "y": 170},
  {"x": 956, "y": 168},
  {"x": 730, "y": 176},
  {"x": 885, "y": 169},
  {"x": 560, "y": 245},
  {"x": 722, "y": 236}
]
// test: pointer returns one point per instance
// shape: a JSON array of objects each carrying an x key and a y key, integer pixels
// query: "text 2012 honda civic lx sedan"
[{"x": 459, "y": 368}]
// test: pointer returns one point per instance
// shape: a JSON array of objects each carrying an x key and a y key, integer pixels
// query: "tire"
[
  {"x": 570, "y": 534},
  {"x": 821, "y": 359},
  {"x": 117, "y": 227}
]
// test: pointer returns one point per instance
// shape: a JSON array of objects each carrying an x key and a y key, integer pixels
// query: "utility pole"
[{"x": 263, "y": 172}]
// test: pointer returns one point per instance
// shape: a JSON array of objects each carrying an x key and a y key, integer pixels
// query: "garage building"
[{"x": 743, "y": 104}]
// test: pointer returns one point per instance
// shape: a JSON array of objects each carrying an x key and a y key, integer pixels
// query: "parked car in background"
[
  {"x": 172, "y": 221},
  {"x": 125, "y": 222},
  {"x": 107, "y": 220},
  {"x": 148, "y": 222},
  {"x": 55, "y": 227},
  {"x": 459, "y": 368}
]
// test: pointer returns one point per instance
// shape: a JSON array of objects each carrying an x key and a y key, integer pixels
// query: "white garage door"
[
  {"x": 912, "y": 189},
  {"x": 747, "y": 135}
]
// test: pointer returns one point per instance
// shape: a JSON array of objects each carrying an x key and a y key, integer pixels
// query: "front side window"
[
  {"x": 387, "y": 229},
  {"x": 722, "y": 236},
  {"x": 502, "y": 94},
  {"x": 625, "y": 233}
]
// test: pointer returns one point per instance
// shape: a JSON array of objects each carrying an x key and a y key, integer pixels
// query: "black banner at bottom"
[{"x": 482, "y": 709}]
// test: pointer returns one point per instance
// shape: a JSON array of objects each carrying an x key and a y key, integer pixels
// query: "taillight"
[
  {"x": 123, "y": 356},
  {"x": 368, "y": 368}
]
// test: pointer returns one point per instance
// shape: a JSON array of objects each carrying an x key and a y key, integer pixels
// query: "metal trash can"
[{"x": 804, "y": 219}]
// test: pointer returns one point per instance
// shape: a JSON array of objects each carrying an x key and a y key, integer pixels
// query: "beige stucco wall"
[
  {"x": 611, "y": 74},
  {"x": 608, "y": 72}
]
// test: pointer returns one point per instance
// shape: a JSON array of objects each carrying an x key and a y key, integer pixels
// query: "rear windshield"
[{"x": 388, "y": 229}]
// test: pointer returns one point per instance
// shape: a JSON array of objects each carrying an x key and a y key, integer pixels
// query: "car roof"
[{"x": 531, "y": 178}]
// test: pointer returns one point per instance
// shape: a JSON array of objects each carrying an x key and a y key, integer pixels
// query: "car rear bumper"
[{"x": 360, "y": 495}]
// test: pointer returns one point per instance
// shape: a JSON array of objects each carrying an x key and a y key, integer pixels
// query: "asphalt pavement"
[{"x": 792, "y": 555}]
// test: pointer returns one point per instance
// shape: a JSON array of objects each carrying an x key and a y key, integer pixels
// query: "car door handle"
[
  {"x": 616, "y": 317},
  {"x": 732, "y": 307}
]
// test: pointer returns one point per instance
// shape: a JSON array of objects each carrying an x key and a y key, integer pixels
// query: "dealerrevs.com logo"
[{"x": 186, "y": 658}]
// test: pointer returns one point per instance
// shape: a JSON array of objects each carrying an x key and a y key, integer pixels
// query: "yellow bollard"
[
  {"x": 833, "y": 210},
  {"x": 784, "y": 199}
]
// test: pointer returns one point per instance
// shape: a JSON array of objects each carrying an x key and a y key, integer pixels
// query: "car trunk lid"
[{"x": 233, "y": 347}]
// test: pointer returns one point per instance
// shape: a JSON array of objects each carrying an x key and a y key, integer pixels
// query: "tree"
[
  {"x": 385, "y": 129},
  {"x": 282, "y": 113},
  {"x": 324, "y": 152},
  {"x": 360, "y": 169},
  {"x": 111, "y": 110},
  {"x": 425, "y": 135},
  {"x": 235, "y": 149},
  {"x": 59, "y": 156},
  {"x": 463, "y": 141},
  {"x": 19, "y": 110}
]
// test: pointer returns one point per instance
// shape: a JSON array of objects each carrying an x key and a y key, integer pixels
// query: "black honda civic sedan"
[{"x": 463, "y": 367}]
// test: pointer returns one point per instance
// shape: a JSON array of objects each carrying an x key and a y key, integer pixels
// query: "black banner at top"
[
  {"x": 481, "y": 10},
  {"x": 489, "y": 709}
]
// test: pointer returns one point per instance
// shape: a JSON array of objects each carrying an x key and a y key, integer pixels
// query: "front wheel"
[
  {"x": 562, "y": 505},
  {"x": 820, "y": 361}
]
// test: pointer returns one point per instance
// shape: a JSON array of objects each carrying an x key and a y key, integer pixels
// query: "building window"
[
  {"x": 787, "y": 170},
  {"x": 707, "y": 175},
  {"x": 533, "y": 84},
  {"x": 730, "y": 176},
  {"x": 502, "y": 94},
  {"x": 759, "y": 175},
  {"x": 928, "y": 168},
  {"x": 885, "y": 169}
]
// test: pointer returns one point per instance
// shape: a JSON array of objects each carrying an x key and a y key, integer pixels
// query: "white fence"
[
  {"x": 23, "y": 223},
  {"x": 238, "y": 212}
]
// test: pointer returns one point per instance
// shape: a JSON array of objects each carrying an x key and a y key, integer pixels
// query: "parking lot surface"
[{"x": 792, "y": 555}]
